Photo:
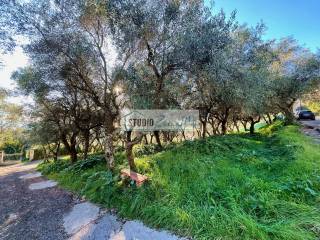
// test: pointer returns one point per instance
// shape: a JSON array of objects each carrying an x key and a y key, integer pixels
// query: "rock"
[
  {"x": 102, "y": 230},
  {"x": 82, "y": 214},
  {"x": 42, "y": 185},
  {"x": 31, "y": 175},
  {"x": 135, "y": 230},
  {"x": 11, "y": 218}
]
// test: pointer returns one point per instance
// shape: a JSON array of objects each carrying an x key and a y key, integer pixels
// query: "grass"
[{"x": 264, "y": 186}]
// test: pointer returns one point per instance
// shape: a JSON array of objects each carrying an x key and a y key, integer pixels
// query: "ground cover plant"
[{"x": 264, "y": 186}]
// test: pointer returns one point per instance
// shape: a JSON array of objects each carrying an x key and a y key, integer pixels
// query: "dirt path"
[
  {"x": 31, "y": 207},
  {"x": 26, "y": 214}
]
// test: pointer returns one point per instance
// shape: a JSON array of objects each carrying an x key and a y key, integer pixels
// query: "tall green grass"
[{"x": 264, "y": 186}]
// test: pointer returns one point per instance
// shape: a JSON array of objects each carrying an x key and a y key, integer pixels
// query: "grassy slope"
[{"x": 230, "y": 187}]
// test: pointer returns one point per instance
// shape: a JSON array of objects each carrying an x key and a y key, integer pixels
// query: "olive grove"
[{"x": 91, "y": 58}]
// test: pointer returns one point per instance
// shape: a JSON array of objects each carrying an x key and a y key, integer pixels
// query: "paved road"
[
  {"x": 314, "y": 124},
  {"x": 312, "y": 129},
  {"x": 31, "y": 207}
]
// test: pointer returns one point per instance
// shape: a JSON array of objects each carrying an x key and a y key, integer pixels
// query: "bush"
[
  {"x": 269, "y": 129},
  {"x": 53, "y": 167},
  {"x": 99, "y": 186},
  {"x": 38, "y": 154},
  {"x": 12, "y": 148},
  {"x": 88, "y": 163},
  {"x": 149, "y": 149},
  {"x": 119, "y": 149},
  {"x": 142, "y": 150}
]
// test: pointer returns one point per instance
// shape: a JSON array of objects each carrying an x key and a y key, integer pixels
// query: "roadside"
[
  {"x": 31, "y": 207},
  {"x": 9, "y": 163},
  {"x": 312, "y": 129},
  {"x": 212, "y": 189}
]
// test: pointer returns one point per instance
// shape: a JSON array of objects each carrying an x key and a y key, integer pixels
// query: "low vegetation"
[
  {"x": 89, "y": 60},
  {"x": 262, "y": 186},
  {"x": 104, "y": 56},
  {"x": 12, "y": 136}
]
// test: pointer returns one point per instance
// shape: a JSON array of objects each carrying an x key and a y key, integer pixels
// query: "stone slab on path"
[
  {"x": 81, "y": 215},
  {"x": 85, "y": 224},
  {"x": 42, "y": 185},
  {"x": 135, "y": 230},
  {"x": 31, "y": 175},
  {"x": 56, "y": 214},
  {"x": 105, "y": 227}
]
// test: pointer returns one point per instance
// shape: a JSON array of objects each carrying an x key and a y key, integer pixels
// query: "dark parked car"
[{"x": 305, "y": 114}]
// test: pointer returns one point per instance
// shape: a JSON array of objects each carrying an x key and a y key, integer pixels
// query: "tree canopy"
[{"x": 161, "y": 55}]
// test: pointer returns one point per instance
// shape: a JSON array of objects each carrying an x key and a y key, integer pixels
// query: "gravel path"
[
  {"x": 31, "y": 207},
  {"x": 26, "y": 214}
]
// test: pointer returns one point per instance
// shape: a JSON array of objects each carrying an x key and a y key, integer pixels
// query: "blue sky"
[{"x": 297, "y": 18}]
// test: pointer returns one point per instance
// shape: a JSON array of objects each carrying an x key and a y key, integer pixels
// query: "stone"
[
  {"x": 31, "y": 175},
  {"x": 42, "y": 185},
  {"x": 102, "y": 230},
  {"x": 11, "y": 218},
  {"x": 137, "y": 231},
  {"x": 81, "y": 215}
]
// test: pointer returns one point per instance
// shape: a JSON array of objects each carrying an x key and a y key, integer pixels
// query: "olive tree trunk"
[
  {"x": 109, "y": 149},
  {"x": 129, "y": 147}
]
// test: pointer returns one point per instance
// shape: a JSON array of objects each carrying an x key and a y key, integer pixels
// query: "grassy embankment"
[{"x": 265, "y": 186}]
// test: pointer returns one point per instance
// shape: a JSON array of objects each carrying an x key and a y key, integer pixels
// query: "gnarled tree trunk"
[
  {"x": 86, "y": 136},
  {"x": 129, "y": 147},
  {"x": 158, "y": 140},
  {"x": 109, "y": 149},
  {"x": 224, "y": 121},
  {"x": 252, "y": 123},
  {"x": 71, "y": 147},
  {"x": 288, "y": 113}
]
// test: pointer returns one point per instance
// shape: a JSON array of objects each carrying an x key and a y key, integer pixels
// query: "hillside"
[{"x": 264, "y": 186}]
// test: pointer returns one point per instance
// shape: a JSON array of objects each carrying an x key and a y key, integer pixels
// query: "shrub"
[
  {"x": 82, "y": 165},
  {"x": 142, "y": 150},
  {"x": 99, "y": 186},
  {"x": 38, "y": 154},
  {"x": 53, "y": 167},
  {"x": 269, "y": 129},
  {"x": 119, "y": 149},
  {"x": 12, "y": 148},
  {"x": 149, "y": 149}
]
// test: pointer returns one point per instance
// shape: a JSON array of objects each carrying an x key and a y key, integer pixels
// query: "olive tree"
[
  {"x": 296, "y": 72},
  {"x": 74, "y": 38}
]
